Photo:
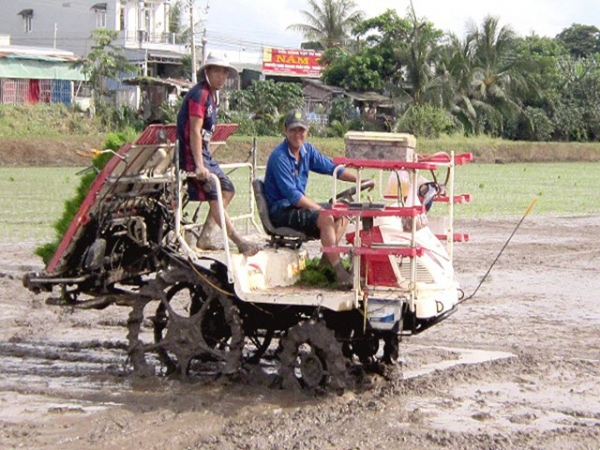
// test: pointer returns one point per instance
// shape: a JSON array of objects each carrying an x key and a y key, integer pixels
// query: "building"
[
  {"x": 37, "y": 75},
  {"x": 142, "y": 26},
  {"x": 319, "y": 97}
]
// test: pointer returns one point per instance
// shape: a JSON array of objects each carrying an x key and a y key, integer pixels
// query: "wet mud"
[{"x": 517, "y": 367}]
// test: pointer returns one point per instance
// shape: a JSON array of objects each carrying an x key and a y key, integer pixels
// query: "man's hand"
[{"x": 202, "y": 173}]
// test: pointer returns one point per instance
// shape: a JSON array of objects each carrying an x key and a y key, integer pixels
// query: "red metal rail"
[{"x": 377, "y": 251}]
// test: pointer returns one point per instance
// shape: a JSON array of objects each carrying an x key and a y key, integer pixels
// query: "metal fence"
[{"x": 22, "y": 91}]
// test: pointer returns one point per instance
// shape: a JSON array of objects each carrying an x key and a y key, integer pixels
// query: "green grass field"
[{"x": 31, "y": 199}]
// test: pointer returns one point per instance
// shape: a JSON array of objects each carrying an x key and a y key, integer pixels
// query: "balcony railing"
[{"x": 133, "y": 38}]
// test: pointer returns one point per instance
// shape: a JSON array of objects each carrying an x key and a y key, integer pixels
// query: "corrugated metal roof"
[
  {"x": 367, "y": 96},
  {"x": 174, "y": 82},
  {"x": 43, "y": 63},
  {"x": 37, "y": 53},
  {"x": 326, "y": 87}
]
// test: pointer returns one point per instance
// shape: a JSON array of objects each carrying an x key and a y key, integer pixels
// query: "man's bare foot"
[
  {"x": 248, "y": 248},
  {"x": 345, "y": 280}
]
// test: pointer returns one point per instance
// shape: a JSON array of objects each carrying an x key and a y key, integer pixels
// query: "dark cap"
[{"x": 296, "y": 118}]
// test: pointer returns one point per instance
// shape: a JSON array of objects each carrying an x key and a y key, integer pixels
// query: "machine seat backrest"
[{"x": 278, "y": 234}]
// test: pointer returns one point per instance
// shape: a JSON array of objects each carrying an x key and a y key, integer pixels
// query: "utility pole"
[
  {"x": 204, "y": 42},
  {"x": 193, "y": 42},
  {"x": 55, "y": 33}
]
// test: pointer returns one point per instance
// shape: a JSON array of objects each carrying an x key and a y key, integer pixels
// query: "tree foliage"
[
  {"x": 489, "y": 81},
  {"x": 105, "y": 60},
  {"x": 267, "y": 102},
  {"x": 329, "y": 22},
  {"x": 582, "y": 41}
]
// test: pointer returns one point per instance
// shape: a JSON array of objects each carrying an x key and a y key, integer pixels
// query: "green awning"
[{"x": 39, "y": 70}]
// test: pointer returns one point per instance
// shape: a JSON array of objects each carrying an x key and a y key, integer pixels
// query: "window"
[
  {"x": 147, "y": 20},
  {"x": 100, "y": 10},
  {"x": 27, "y": 15},
  {"x": 100, "y": 19},
  {"x": 122, "y": 18},
  {"x": 28, "y": 25}
]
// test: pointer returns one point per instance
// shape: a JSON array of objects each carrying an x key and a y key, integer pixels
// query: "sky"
[{"x": 239, "y": 28}]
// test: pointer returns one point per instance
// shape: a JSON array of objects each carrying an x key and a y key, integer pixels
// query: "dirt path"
[{"x": 64, "y": 383}]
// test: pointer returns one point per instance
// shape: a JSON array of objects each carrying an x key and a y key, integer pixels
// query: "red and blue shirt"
[{"x": 198, "y": 102}]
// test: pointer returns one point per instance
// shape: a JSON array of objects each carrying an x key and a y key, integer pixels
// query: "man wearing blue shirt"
[{"x": 285, "y": 190}]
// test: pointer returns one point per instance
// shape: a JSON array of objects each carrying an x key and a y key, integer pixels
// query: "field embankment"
[
  {"x": 485, "y": 149},
  {"x": 51, "y": 135},
  {"x": 62, "y": 150}
]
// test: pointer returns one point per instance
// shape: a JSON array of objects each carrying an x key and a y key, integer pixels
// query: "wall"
[
  {"x": 74, "y": 24},
  {"x": 75, "y": 21}
]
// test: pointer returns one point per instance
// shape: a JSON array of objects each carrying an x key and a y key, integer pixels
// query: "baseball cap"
[{"x": 296, "y": 118}]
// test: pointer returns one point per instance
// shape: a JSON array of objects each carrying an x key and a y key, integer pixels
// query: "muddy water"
[{"x": 516, "y": 367}]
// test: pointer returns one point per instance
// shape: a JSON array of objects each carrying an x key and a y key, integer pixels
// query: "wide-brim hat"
[{"x": 213, "y": 60}]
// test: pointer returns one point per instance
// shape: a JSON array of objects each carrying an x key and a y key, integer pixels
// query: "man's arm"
[
  {"x": 307, "y": 203},
  {"x": 196, "y": 146},
  {"x": 322, "y": 164},
  {"x": 348, "y": 175}
]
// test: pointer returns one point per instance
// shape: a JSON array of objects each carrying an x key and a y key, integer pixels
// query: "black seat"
[{"x": 278, "y": 236}]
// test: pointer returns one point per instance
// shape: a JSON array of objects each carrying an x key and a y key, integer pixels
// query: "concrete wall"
[{"x": 69, "y": 23}]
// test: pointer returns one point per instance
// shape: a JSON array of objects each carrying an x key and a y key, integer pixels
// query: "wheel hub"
[{"x": 311, "y": 369}]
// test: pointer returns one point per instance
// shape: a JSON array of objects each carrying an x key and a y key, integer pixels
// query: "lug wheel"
[
  {"x": 196, "y": 328},
  {"x": 312, "y": 358},
  {"x": 208, "y": 333},
  {"x": 259, "y": 342},
  {"x": 186, "y": 300}
]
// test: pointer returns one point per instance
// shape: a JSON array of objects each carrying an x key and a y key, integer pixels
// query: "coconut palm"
[
  {"x": 420, "y": 56},
  {"x": 480, "y": 79},
  {"x": 496, "y": 75},
  {"x": 454, "y": 85},
  {"x": 330, "y": 22}
]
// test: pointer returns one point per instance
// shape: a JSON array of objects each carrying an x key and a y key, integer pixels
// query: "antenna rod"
[{"x": 502, "y": 250}]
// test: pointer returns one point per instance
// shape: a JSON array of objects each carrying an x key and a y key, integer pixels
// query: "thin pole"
[
  {"x": 193, "y": 42},
  {"x": 503, "y": 247}
]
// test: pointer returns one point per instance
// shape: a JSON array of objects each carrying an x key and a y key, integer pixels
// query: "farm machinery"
[{"x": 198, "y": 312}]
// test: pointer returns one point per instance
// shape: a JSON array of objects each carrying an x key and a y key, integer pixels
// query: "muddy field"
[{"x": 517, "y": 367}]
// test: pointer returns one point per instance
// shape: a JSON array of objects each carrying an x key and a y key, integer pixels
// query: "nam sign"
[{"x": 294, "y": 63}]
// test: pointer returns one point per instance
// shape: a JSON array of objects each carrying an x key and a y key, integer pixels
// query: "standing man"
[
  {"x": 196, "y": 123},
  {"x": 285, "y": 190}
]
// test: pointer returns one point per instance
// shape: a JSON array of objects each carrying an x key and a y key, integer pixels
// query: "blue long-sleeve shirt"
[{"x": 286, "y": 178}]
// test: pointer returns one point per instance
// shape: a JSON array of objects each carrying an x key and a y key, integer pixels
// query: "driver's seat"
[{"x": 278, "y": 236}]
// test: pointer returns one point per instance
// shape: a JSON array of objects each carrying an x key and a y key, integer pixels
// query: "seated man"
[{"x": 285, "y": 190}]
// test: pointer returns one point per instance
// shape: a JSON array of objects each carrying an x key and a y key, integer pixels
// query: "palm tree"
[
  {"x": 496, "y": 75},
  {"x": 420, "y": 56},
  {"x": 330, "y": 22},
  {"x": 481, "y": 78}
]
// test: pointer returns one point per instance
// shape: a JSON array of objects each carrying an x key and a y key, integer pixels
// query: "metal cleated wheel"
[
  {"x": 185, "y": 299},
  {"x": 203, "y": 335},
  {"x": 196, "y": 329},
  {"x": 312, "y": 358},
  {"x": 257, "y": 342}
]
